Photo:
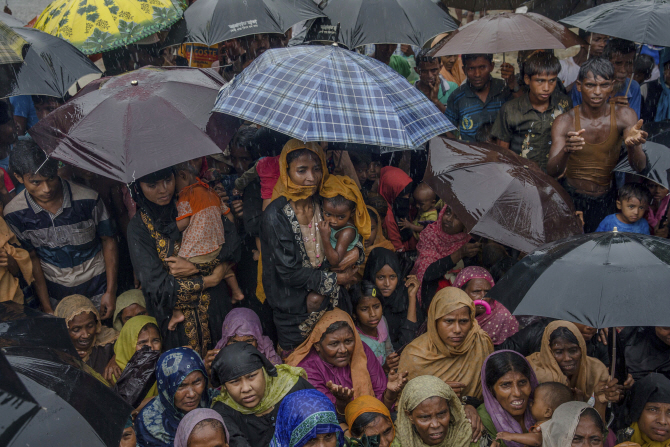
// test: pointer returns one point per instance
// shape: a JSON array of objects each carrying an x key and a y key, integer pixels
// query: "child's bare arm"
[
  {"x": 529, "y": 439},
  {"x": 182, "y": 224},
  {"x": 344, "y": 238}
]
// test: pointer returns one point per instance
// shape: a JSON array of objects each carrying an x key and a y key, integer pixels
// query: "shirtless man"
[{"x": 586, "y": 143}]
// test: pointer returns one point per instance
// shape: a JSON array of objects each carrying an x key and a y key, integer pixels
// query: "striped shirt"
[
  {"x": 467, "y": 112},
  {"x": 68, "y": 242}
]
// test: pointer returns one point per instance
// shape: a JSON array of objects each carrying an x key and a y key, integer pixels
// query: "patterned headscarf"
[
  {"x": 243, "y": 322},
  {"x": 302, "y": 416},
  {"x": 474, "y": 272},
  {"x": 158, "y": 421}
]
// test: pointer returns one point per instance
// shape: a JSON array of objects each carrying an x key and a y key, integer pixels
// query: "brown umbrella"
[
  {"x": 136, "y": 123},
  {"x": 505, "y": 32},
  {"x": 499, "y": 195}
]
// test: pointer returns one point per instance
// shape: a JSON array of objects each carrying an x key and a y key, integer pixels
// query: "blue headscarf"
[
  {"x": 663, "y": 110},
  {"x": 302, "y": 416},
  {"x": 156, "y": 424}
]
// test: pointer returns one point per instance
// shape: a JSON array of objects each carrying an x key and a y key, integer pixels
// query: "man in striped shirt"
[{"x": 67, "y": 231}]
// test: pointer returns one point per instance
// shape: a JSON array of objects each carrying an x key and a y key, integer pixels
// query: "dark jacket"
[{"x": 645, "y": 352}]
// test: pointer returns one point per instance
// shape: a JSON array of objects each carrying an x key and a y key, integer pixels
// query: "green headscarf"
[
  {"x": 134, "y": 296},
  {"x": 126, "y": 344}
]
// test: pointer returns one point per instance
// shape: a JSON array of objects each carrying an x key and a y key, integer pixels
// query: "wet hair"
[
  {"x": 362, "y": 421},
  {"x": 363, "y": 290},
  {"x": 541, "y": 63},
  {"x": 618, "y": 46},
  {"x": 500, "y": 364},
  {"x": 591, "y": 413},
  {"x": 339, "y": 200},
  {"x": 557, "y": 394},
  {"x": 471, "y": 57},
  {"x": 244, "y": 138},
  {"x": 598, "y": 66},
  {"x": 185, "y": 166},
  {"x": 423, "y": 57},
  {"x": 213, "y": 423},
  {"x": 5, "y": 113},
  {"x": 360, "y": 159},
  {"x": 644, "y": 64},
  {"x": 28, "y": 158},
  {"x": 563, "y": 333},
  {"x": 634, "y": 190},
  {"x": 379, "y": 204},
  {"x": 334, "y": 328},
  {"x": 44, "y": 99},
  {"x": 292, "y": 156}
]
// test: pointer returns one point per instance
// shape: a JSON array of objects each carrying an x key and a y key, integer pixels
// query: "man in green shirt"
[
  {"x": 384, "y": 53},
  {"x": 524, "y": 123}
]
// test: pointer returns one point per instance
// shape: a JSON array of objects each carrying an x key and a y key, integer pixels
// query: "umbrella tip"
[
  {"x": 615, "y": 230},
  {"x": 134, "y": 82}
]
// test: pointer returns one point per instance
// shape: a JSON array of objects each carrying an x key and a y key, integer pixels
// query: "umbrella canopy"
[
  {"x": 17, "y": 406},
  {"x": 658, "y": 164},
  {"x": 505, "y": 32},
  {"x": 363, "y": 22},
  {"x": 23, "y": 326},
  {"x": 135, "y": 123},
  {"x": 483, "y": 5},
  {"x": 644, "y": 21},
  {"x": 94, "y": 26},
  {"x": 77, "y": 405},
  {"x": 214, "y": 21},
  {"x": 598, "y": 279},
  {"x": 659, "y": 132},
  {"x": 497, "y": 195},
  {"x": 559, "y": 10},
  {"x": 11, "y": 46},
  {"x": 51, "y": 66},
  {"x": 327, "y": 93},
  {"x": 10, "y": 20}
]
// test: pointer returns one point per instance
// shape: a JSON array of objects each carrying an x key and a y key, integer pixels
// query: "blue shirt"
[
  {"x": 611, "y": 221},
  {"x": 634, "y": 96},
  {"x": 23, "y": 106}
]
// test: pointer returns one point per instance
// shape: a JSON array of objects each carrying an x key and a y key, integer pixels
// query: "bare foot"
[
  {"x": 237, "y": 296},
  {"x": 177, "y": 317}
]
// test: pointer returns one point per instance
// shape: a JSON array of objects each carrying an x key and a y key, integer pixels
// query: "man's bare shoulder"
[
  {"x": 625, "y": 116},
  {"x": 564, "y": 119}
]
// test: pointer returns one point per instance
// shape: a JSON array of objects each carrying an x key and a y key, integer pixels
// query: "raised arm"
[{"x": 634, "y": 137}]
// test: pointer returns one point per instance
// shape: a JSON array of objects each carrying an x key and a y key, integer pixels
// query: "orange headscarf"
[
  {"x": 366, "y": 404},
  {"x": 456, "y": 74},
  {"x": 360, "y": 377},
  {"x": 340, "y": 185}
]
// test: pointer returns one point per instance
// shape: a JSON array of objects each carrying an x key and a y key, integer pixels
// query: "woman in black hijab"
[
  {"x": 166, "y": 279},
  {"x": 649, "y": 413},
  {"x": 398, "y": 295},
  {"x": 251, "y": 390}
]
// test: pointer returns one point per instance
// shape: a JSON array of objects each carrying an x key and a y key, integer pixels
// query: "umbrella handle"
[
  {"x": 486, "y": 305},
  {"x": 630, "y": 81}
]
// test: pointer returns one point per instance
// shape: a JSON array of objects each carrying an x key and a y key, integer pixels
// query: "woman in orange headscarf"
[{"x": 368, "y": 416}]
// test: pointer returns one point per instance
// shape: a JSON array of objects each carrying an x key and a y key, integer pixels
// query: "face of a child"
[
  {"x": 386, "y": 281},
  {"x": 362, "y": 172},
  {"x": 336, "y": 216},
  {"x": 424, "y": 200},
  {"x": 632, "y": 209},
  {"x": 657, "y": 191},
  {"x": 373, "y": 233},
  {"x": 538, "y": 406},
  {"x": 375, "y": 169},
  {"x": 369, "y": 312},
  {"x": 450, "y": 223}
]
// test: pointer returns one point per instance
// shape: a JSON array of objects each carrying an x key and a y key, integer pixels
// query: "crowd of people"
[{"x": 288, "y": 294}]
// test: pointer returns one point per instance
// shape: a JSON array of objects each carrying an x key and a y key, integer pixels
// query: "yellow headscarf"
[
  {"x": 125, "y": 346},
  {"x": 73, "y": 305},
  {"x": 9, "y": 285},
  {"x": 340, "y": 185},
  {"x": 127, "y": 299},
  {"x": 591, "y": 370},
  {"x": 428, "y": 354},
  {"x": 419, "y": 389},
  {"x": 644, "y": 440}
]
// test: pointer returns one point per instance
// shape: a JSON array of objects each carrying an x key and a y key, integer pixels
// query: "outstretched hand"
[
  {"x": 634, "y": 136},
  {"x": 575, "y": 141},
  {"x": 341, "y": 393},
  {"x": 396, "y": 381}
]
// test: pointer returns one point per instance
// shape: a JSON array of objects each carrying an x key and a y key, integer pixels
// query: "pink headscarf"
[
  {"x": 193, "y": 418},
  {"x": 435, "y": 244},
  {"x": 500, "y": 323},
  {"x": 243, "y": 322}
]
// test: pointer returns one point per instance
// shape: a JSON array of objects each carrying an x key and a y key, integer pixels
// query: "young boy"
[
  {"x": 524, "y": 123},
  {"x": 547, "y": 398},
  {"x": 199, "y": 219},
  {"x": 632, "y": 202},
  {"x": 425, "y": 201}
]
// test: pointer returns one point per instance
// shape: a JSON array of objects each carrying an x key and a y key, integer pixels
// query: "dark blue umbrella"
[{"x": 327, "y": 93}]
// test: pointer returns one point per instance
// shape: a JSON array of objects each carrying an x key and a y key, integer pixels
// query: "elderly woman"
[
  {"x": 508, "y": 382},
  {"x": 649, "y": 414},
  {"x": 202, "y": 427},
  {"x": 183, "y": 386},
  {"x": 168, "y": 280},
  {"x": 93, "y": 341},
  {"x": 443, "y": 244},
  {"x": 396, "y": 187},
  {"x": 307, "y": 416},
  {"x": 563, "y": 358},
  {"x": 499, "y": 323},
  {"x": 128, "y": 305},
  {"x": 341, "y": 366},
  {"x": 574, "y": 424},
  {"x": 431, "y": 414},
  {"x": 368, "y": 416},
  {"x": 291, "y": 247},
  {"x": 398, "y": 296},
  {"x": 251, "y": 390}
]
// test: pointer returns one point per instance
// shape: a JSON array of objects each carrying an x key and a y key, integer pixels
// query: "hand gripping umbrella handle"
[{"x": 486, "y": 305}]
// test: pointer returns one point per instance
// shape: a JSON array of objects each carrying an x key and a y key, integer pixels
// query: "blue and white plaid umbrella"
[{"x": 327, "y": 93}]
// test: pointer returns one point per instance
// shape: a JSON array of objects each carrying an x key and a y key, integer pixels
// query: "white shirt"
[{"x": 569, "y": 71}]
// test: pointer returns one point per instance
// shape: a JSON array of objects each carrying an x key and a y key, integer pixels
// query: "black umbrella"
[
  {"x": 658, "y": 164},
  {"x": 17, "y": 406},
  {"x": 363, "y": 22},
  {"x": 23, "y": 326},
  {"x": 214, "y": 21},
  {"x": 557, "y": 10},
  {"x": 483, "y": 5},
  {"x": 598, "y": 279},
  {"x": 78, "y": 407},
  {"x": 644, "y": 21},
  {"x": 50, "y": 67},
  {"x": 659, "y": 132}
]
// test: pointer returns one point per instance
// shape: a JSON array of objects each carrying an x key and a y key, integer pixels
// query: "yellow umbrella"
[
  {"x": 11, "y": 46},
  {"x": 94, "y": 26}
]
